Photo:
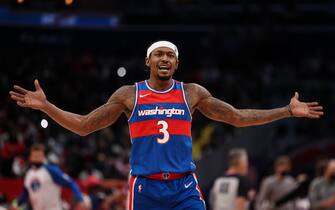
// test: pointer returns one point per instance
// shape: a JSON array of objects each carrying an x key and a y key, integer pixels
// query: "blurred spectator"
[
  {"x": 231, "y": 191},
  {"x": 322, "y": 189},
  {"x": 11, "y": 148},
  {"x": 115, "y": 200},
  {"x": 299, "y": 195},
  {"x": 3, "y": 201},
  {"x": 95, "y": 192},
  {"x": 103, "y": 197},
  {"x": 19, "y": 166},
  {"x": 321, "y": 167},
  {"x": 42, "y": 184},
  {"x": 90, "y": 171},
  {"x": 276, "y": 186}
]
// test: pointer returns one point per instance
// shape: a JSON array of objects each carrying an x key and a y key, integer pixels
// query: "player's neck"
[{"x": 160, "y": 85}]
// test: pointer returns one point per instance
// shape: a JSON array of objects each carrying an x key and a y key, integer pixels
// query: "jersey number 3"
[{"x": 164, "y": 131}]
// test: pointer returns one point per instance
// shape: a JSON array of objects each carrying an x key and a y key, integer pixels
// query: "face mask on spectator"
[
  {"x": 332, "y": 177},
  {"x": 36, "y": 164},
  {"x": 285, "y": 173}
]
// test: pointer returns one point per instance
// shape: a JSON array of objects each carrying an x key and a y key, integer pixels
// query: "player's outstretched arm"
[
  {"x": 99, "y": 118},
  {"x": 213, "y": 108}
]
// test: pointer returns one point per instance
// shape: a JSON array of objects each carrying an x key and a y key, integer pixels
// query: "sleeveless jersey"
[{"x": 160, "y": 131}]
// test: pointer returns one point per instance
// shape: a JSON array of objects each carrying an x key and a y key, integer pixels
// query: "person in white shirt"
[
  {"x": 43, "y": 182},
  {"x": 230, "y": 192}
]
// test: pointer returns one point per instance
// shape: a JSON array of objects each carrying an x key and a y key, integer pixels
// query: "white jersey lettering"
[{"x": 161, "y": 111}]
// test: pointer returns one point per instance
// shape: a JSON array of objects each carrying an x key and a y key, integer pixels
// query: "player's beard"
[{"x": 164, "y": 78}]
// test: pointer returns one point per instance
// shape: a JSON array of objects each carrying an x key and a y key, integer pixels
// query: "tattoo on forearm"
[
  {"x": 217, "y": 110},
  {"x": 108, "y": 113},
  {"x": 213, "y": 108},
  {"x": 221, "y": 111},
  {"x": 255, "y": 116},
  {"x": 103, "y": 116}
]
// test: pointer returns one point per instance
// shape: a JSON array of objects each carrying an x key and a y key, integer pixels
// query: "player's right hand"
[{"x": 31, "y": 99}]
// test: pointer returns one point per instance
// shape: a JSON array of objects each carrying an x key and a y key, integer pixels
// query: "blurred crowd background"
[{"x": 251, "y": 54}]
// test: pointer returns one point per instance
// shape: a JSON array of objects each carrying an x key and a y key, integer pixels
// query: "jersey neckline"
[{"x": 157, "y": 91}]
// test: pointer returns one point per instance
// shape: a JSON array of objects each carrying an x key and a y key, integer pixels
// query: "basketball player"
[
  {"x": 43, "y": 182},
  {"x": 159, "y": 112},
  {"x": 230, "y": 192}
]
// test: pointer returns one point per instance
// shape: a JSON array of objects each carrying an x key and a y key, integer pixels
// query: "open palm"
[
  {"x": 31, "y": 99},
  {"x": 305, "y": 109}
]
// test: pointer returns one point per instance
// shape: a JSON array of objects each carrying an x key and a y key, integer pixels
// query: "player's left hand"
[{"x": 305, "y": 109}]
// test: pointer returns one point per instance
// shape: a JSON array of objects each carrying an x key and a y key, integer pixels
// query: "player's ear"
[
  {"x": 177, "y": 64},
  {"x": 147, "y": 61}
]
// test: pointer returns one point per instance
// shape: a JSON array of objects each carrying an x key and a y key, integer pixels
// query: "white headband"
[{"x": 162, "y": 44}]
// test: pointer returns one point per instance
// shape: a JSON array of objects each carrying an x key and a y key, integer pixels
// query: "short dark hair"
[
  {"x": 235, "y": 155},
  {"x": 37, "y": 147}
]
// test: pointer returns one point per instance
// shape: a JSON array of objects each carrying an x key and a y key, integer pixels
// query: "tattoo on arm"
[
  {"x": 103, "y": 116},
  {"x": 108, "y": 113},
  {"x": 248, "y": 117},
  {"x": 218, "y": 110}
]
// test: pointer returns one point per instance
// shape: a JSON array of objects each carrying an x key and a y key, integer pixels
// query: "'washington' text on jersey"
[{"x": 161, "y": 111}]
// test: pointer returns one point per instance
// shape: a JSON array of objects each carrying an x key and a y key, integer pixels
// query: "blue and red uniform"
[{"x": 162, "y": 170}]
